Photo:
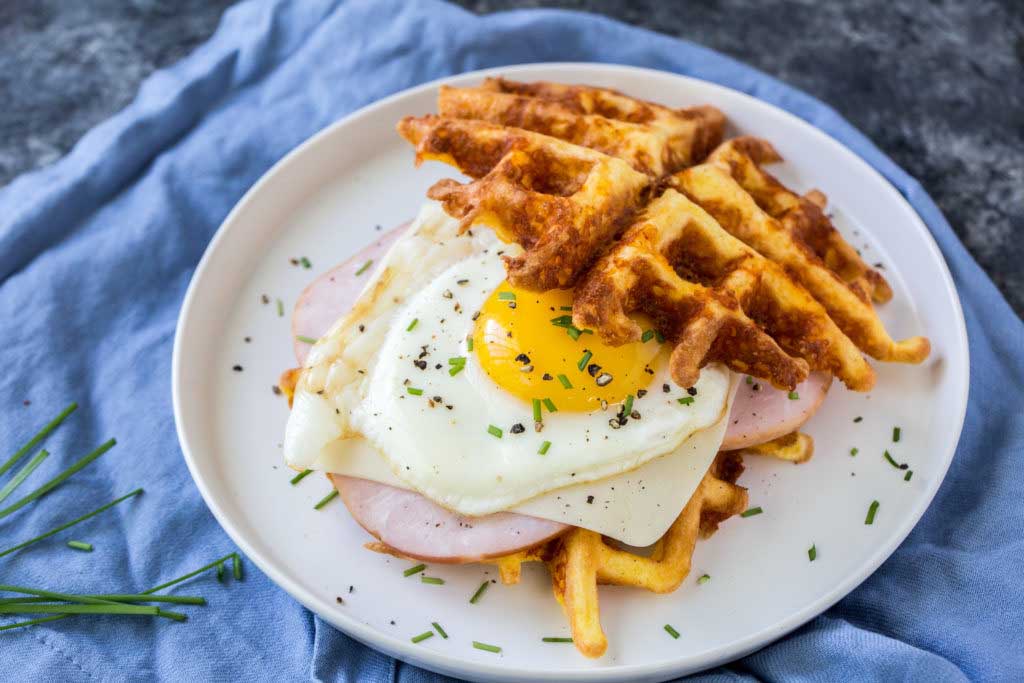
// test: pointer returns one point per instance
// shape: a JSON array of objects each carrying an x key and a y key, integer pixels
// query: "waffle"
[
  {"x": 653, "y": 139},
  {"x": 785, "y": 242},
  {"x": 714, "y": 298},
  {"x": 559, "y": 201}
]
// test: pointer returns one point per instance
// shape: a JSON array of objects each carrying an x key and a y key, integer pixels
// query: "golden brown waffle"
[
  {"x": 715, "y": 299},
  {"x": 559, "y": 201},
  {"x": 735, "y": 209},
  {"x": 653, "y": 139},
  {"x": 804, "y": 216},
  {"x": 804, "y": 304}
]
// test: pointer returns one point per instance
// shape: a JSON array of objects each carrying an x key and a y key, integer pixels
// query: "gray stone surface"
[{"x": 939, "y": 86}]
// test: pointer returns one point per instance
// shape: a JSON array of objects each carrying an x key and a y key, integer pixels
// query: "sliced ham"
[
  {"x": 332, "y": 294},
  {"x": 761, "y": 412},
  {"x": 419, "y": 528}
]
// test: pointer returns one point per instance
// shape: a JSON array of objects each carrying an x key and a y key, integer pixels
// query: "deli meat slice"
[
  {"x": 761, "y": 412},
  {"x": 418, "y": 527},
  {"x": 332, "y": 294}
]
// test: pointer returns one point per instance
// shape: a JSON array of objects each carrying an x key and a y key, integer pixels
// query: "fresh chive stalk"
[
  {"x": 299, "y": 477},
  {"x": 40, "y": 435},
  {"x": 556, "y": 639},
  {"x": 72, "y": 523},
  {"x": 23, "y": 474},
  {"x": 59, "y": 479}
]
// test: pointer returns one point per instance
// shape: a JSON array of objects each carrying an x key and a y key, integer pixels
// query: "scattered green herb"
[
  {"x": 326, "y": 499},
  {"x": 494, "y": 431},
  {"x": 550, "y": 405},
  {"x": 751, "y": 512},
  {"x": 414, "y": 570},
  {"x": 484, "y": 646},
  {"x": 565, "y": 381},
  {"x": 584, "y": 359},
  {"x": 895, "y": 434},
  {"x": 432, "y": 580},
  {"x": 59, "y": 479},
  {"x": 543, "y": 450},
  {"x": 364, "y": 267},
  {"x": 793, "y": 396},
  {"x": 686, "y": 400},
  {"x": 306, "y": 340},
  {"x": 440, "y": 631},
  {"x": 812, "y": 552},
  {"x": 872, "y": 509},
  {"x": 414, "y": 391},
  {"x": 299, "y": 477},
  {"x": 80, "y": 545},
  {"x": 538, "y": 414},
  {"x": 412, "y": 325},
  {"x": 40, "y": 435},
  {"x": 556, "y": 639},
  {"x": 671, "y": 631},
  {"x": 704, "y": 578},
  {"x": 23, "y": 473},
  {"x": 479, "y": 592},
  {"x": 423, "y": 636}
]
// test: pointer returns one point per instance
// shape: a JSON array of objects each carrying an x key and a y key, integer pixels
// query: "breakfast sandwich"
[{"x": 564, "y": 358}]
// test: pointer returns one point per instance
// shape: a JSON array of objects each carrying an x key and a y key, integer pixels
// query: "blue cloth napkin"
[{"x": 97, "y": 250}]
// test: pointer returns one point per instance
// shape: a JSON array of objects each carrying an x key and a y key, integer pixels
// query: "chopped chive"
[
  {"x": 59, "y": 479},
  {"x": 362, "y": 268},
  {"x": 326, "y": 499},
  {"x": 538, "y": 415},
  {"x": 751, "y": 512},
  {"x": 671, "y": 631},
  {"x": 550, "y": 405},
  {"x": 908, "y": 475},
  {"x": 412, "y": 325},
  {"x": 659, "y": 337},
  {"x": 432, "y": 580},
  {"x": 73, "y": 522},
  {"x": 414, "y": 570},
  {"x": 872, "y": 509},
  {"x": 23, "y": 473},
  {"x": 236, "y": 566},
  {"x": 494, "y": 431},
  {"x": 484, "y": 646},
  {"x": 854, "y": 451},
  {"x": 812, "y": 552},
  {"x": 79, "y": 545},
  {"x": 440, "y": 631},
  {"x": 280, "y": 308},
  {"x": 305, "y": 262},
  {"x": 31, "y": 622},
  {"x": 506, "y": 296},
  {"x": 627, "y": 407},
  {"x": 552, "y": 639},
  {"x": 573, "y": 332},
  {"x": 704, "y": 578},
  {"x": 423, "y": 636},
  {"x": 793, "y": 396},
  {"x": 647, "y": 336},
  {"x": 562, "y": 321},
  {"x": 469, "y": 344},
  {"x": 479, "y": 592},
  {"x": 749, "y": 380},
  {"x": 299, "y": 477},
  {"x": 457, "y": 363},
  {"x": 306, "y": 340},
  {"x": 895, "y": 434},
  {"x": 686, "y": 400},
  {"x": 584, "y": 359},
  {"x": 40, "y": 435},
  {"x": 565, "y": 308},
  {"x": 897, "y": 465},
  {"x": 565, "y": 381},
  {"x": 543, "y": 450},
  {"x": 414, "y": 391}
]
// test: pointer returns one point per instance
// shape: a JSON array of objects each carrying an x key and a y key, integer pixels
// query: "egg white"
[{"x": 356, "y": 385}]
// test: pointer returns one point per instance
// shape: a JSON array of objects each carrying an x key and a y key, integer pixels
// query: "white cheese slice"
[{"x": 634, "y": 507}]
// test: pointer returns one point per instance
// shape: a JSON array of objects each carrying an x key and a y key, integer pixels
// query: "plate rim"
[{"x": 451, "y": 664}]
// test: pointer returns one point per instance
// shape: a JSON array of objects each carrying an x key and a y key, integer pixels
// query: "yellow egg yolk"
[{"x": 526, "y": 342}]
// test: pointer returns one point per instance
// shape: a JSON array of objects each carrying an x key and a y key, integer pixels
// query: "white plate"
[{"x": 323, "y": 201}]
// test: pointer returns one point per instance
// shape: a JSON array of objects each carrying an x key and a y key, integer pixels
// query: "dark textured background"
[{"x": 939, "y": 86}]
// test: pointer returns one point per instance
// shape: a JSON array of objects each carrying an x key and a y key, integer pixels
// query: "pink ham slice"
[
  {"x": 333, "y": 293},
  {"x": 416, "y": 526},
  {"x": 419, "y": 528},
  {"x": 761, "y": 412}
]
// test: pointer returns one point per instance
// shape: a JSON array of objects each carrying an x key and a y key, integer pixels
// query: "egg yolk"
[{"x": 526, "y": 342}]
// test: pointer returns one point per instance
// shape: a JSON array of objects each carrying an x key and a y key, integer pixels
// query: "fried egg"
[{"x": 482, "y": 396}]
